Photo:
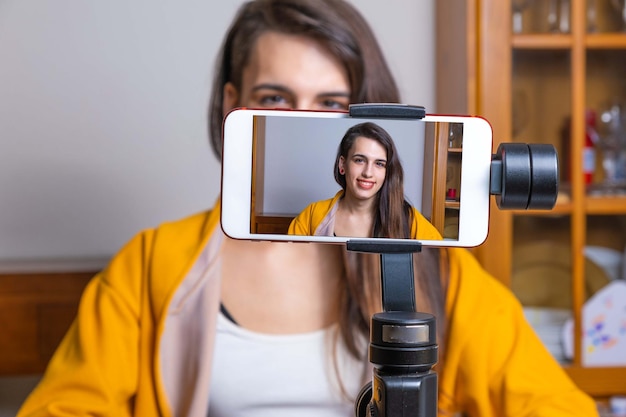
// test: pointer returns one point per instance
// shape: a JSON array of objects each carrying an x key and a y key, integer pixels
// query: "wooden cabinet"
[
  {"x": 35, "y": 312},
  {"x": 535, "y": 86}
]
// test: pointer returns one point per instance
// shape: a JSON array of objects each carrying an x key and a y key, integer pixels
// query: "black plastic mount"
[
  {"x": 396, "y": 271},
  {"x": 387, "y": 111}
]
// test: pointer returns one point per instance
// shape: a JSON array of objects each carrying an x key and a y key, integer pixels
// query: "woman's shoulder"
[
  {"x": 470, "y": 283},
  {"x": 468, "y": 266},
  {"x": 194, "y": 223},
  {"x": 422, "y": 228},
  {"x": 328, "y": 202},
  {"x": 190, "y": 227},
  {"x": 171, "y": 238},
  {"x": 160, "y": 253},
  {"x": 321, "y": 207}
]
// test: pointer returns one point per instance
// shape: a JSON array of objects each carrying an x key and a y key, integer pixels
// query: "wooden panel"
[
  {"x": 258, "y": 171},
  {"x": 273, "y": 224},
  {"x": 440, "y": 176},
  {"x": 35, "y": 312},
  {"x": 599, "y": 382},
  {"x": 456, "y": 56},
  {"x": 53, "y": 320},
  {"x": 493, "y": 101}
]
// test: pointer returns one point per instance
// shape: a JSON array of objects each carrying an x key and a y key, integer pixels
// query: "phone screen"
[{"x": 279, "y": 164}]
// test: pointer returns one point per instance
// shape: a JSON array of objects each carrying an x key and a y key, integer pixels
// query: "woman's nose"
[
  {"x": 304, "y": 104},
  {"x": 367, "y": 170}
]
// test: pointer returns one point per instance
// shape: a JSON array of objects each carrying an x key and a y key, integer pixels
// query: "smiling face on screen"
[{"x": 365, "y": 168}]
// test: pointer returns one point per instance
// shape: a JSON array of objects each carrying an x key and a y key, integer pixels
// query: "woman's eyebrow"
[
  {"x": 335, "y": 94},
  {"x": 267, "y": 86},
  {"x": 283, "y": 89},
  {"x": 366, "y": 157}
]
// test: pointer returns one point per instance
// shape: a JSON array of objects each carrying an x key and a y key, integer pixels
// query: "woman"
[
  {"x": 149, "y": 338},
  {"x": 371, "y": 202}
]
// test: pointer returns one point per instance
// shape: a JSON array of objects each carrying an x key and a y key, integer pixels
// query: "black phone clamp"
[{"x": 387, "y": 110}]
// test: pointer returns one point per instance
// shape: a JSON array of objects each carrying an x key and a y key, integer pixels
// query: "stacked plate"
[
  {"x": 610, "y": 260},
  {"x": 548, "y": 324}
]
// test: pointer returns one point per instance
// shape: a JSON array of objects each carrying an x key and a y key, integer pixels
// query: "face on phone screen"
[{"x": 286, "y": 167}]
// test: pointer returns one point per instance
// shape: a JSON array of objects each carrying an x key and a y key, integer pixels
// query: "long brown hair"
[
  {"x": 393, "y": 215},
  {"x": 342, "y": 31}
]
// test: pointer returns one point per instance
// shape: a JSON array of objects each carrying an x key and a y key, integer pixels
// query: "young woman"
[
  {"x": 371, "y": 202},
  {"x": 149, "y": 338}
]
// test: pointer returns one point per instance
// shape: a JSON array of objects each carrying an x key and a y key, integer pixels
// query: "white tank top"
[{"x": 262, "y": 375}]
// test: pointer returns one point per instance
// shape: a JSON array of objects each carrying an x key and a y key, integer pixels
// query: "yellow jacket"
[
  {"x": 318, "y": 219},
  {"x": 141, "y": 344}
]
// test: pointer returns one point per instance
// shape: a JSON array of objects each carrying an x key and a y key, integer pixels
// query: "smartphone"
[{"x": 275, "y": 163}]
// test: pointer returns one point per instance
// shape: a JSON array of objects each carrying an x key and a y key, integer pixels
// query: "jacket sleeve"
[
  {"x": 495, "y": 361},
  {"x": 94, "y": 371}
]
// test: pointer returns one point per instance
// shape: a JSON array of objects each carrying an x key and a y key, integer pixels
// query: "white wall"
[{"x": 102, "y": 116}]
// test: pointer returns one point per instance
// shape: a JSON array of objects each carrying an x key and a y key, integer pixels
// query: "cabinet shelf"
[
  {"x": 598, "y": 382},
  {"x": 606, "y": 205},
  {"x": 453, "y": 204},
  {"x": 606, "y": 41},
  {"x": 542, "y": 41},
  {"x": 548, "y": 41}
]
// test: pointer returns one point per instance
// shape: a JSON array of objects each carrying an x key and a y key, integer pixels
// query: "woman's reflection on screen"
[{"x": 371, "y": 202}]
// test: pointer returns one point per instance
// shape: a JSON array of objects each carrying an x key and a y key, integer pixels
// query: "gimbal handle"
[{"x": 403, "y": 343}]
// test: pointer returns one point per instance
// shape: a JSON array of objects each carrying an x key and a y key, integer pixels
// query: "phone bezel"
[{"x": 237, "y": 168}]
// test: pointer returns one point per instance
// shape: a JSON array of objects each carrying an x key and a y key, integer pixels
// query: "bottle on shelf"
[
  {"x": 592, "y": 139},
  {"x": 591, "y": 142},
  {"x": 613, "y": 144}
]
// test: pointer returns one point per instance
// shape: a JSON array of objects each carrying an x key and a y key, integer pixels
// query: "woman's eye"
[
  {"x": 334, "y": 104},
  {"x": 273, "y": 100},
  {"x": 381, "y": 164}
]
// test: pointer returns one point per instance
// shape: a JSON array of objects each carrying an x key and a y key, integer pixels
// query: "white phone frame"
[{"x": 237, "y": 178}]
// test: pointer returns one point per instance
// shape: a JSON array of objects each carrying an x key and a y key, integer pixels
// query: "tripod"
[{"x": 403, "y": 345}]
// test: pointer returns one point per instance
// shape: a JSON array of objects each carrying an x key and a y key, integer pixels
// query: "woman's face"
[
  {"x": 365, "y": 168},
  {"x": 287, "y": 71}
]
